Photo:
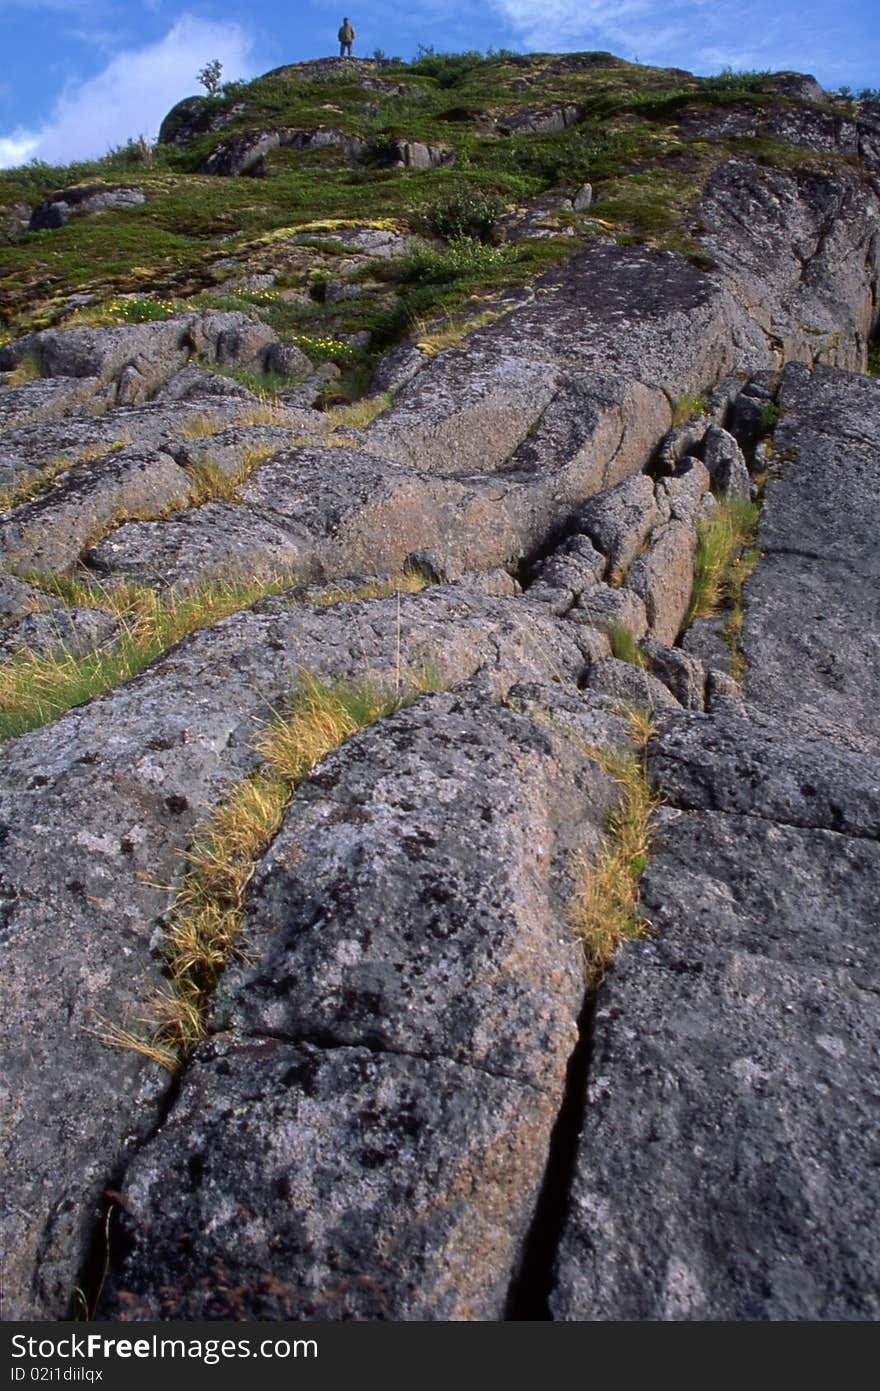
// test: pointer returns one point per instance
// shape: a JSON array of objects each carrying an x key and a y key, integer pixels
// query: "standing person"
[{"x": 346, "y": 37}]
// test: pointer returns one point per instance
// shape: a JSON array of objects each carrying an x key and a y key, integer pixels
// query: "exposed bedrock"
[
  {"x": 726, "y": 1168},
  {"x": 491, "y": 448},
  {"x": 365, "y": 1135},
  {"x": 812, "y": 629},
  {"x": 367, "y": 1129},
  {"x": 392, "y": 1055},
  {"x": 97, "y": 810}
]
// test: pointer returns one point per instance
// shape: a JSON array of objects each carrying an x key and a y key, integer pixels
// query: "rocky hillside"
[{"x": 438, "y": 609}]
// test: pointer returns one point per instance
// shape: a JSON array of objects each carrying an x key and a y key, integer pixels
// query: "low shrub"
[{"x": 468, "y": 213}]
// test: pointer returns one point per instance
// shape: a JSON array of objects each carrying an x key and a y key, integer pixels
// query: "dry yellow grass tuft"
[
  {"x": 605, "y": 911},
  {"x": 202, "y": 424},
  {"x": 359, "y": 414},
  {"x": 211, "y": 484}
]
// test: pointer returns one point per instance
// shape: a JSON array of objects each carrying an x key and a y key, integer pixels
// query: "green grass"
[
  {"x": 36, "y": 688},
  {"x": 726, "y": 556},
  {"x": 684, "y": 408},
  {"x": 624, "y": 645},
  {"x": 644, "y": 172}
]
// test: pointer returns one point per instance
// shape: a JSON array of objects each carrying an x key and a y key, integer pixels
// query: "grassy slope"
[{"x": 628, "y": 146}]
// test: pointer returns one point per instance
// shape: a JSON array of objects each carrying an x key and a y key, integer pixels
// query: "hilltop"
[
  {"x": 438, "y": 686},
  {"x": 491, "y": 151}
]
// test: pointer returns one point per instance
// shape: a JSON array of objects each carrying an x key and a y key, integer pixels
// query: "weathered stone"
[
  {"x": 58, "y": 630},
  {"x": 777, "y": 771},
  {"x": 575, "y": 566},
  {"x": 287, "y": 359},
  {"x": 767, "y": 1208},
  {"x": 680, "y": 672},
  {"x": 679, "y": 498},
  {"x": 57, "y": 210},
  {"x": 619, "y": 521},
  {"x": 704, "y": 641},
  {"x": 423, "y": 1171},
  {"x": 450, "y": 967},
  {"x": 412, "y": 154},
  {"x": 757, "y": 221},
  {"x": 548, "y": 122},
  {"x": 663, "y": 578},
  {"x": 602, "y": 604},
  {"x": 750, "y": 415},
  {"x": 397, "y": 367},
  {"x": 193, "y": 116},
  {"x": 18, "y": 598},
  {"x": 723, "y": 693},
  {"x": 582, "y": 198},
  {"x": 245, "y": 152},
  {"x": 809, "y": 635},
  {"x": 727, "y": 467},
  {"x": 631, "y": 685},
  {"x": 50, "y": 533},
  {"x": 116, "y": 788}
]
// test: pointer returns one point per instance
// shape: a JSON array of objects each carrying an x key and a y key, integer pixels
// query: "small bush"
[
  {"x": 468, "y": 214},
  {"x": 684, "y": 408},
  {"x": 447, "y": 69},
  {"x": 464, "y": 259},
  {"x": 769, "y": 415},
  {"x": 728, "y": 85}
]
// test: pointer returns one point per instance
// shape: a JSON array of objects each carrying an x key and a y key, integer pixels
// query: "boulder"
[
  {"x": 50, "y": 533},
  {"x": 58, "y": 209},
  {"x": 680, "y": 672},
  {"x": 680, "y": 497}
]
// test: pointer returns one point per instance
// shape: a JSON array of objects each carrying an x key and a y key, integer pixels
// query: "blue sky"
[{"x": 82, "y": 75}]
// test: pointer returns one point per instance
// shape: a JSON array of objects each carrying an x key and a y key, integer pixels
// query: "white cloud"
[
  {"x": 696, "y": 34},
  {"x": 132, "y": 93}
]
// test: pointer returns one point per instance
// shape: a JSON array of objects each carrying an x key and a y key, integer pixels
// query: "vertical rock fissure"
[
  {"x": 528, "y": 1298},
  {"x": 102, "y": 1245}
]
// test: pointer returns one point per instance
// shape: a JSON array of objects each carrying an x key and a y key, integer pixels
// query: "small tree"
[{"x": 210, "y": 77}]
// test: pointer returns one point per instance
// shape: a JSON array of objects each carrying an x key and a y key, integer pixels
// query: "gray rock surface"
[
  {"x": 683, "y": 493},
  {"x": 631, "y": 685},
  {"x": 620, "y": 520},
  {"x": 390, "y": 1059},
  {"x": 115, "y": 789},
  {"x": 49, "y": 534},
  {"x": 682, "y": 673},
  {"x": 727, "y": 467},
  {"x": 411, "y": 907},
  {"x": 726, "y": 1165},
  {"x": 663, "y": 577},
  {"x": 57, "y": 210},
  {"x": 811, "y": 631}
]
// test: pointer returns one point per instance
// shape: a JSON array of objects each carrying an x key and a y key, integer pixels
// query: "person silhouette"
[{"x": 346, "y": 37}]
